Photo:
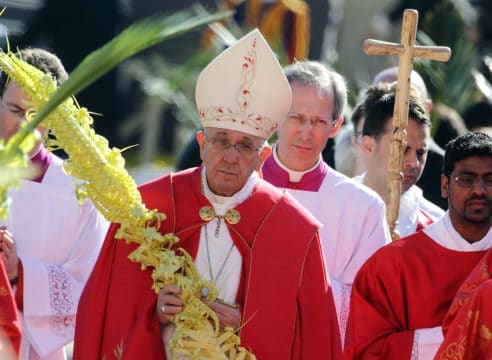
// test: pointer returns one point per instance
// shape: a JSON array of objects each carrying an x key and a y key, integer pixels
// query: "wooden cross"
[{"x": 406, "y": 51}]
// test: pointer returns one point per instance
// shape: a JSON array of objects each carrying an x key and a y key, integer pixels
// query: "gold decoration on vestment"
[{"x": 232, "y": 216}]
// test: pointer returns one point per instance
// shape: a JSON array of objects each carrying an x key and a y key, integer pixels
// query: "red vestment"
[
  {"x": 284, "y": 295},
  {"x": 9, "y": 318},
  {"x": 467, "y": 326},
  {"x": 405, "y": 286}
]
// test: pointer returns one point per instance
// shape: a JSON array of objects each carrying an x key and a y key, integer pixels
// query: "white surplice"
[
  {"x": 411, "y": 201},
  {"x": 58, "y": 241},
  {"x": 354, "y": 227}
]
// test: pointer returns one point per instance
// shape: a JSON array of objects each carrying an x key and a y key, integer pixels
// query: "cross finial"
[{"x": 407, "y": 51}]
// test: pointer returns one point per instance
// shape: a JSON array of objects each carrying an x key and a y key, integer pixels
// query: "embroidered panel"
[{"x": 62, "y": 305}]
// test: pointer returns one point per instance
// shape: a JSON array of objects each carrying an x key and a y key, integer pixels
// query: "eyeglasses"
[
  {"x": 315, "y": 121},
  {"x": 470, "y": 181},
  {"x": 223, "y": 145}
]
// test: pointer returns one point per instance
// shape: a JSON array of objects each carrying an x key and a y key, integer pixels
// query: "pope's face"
[{"x": 227, "y": 167}]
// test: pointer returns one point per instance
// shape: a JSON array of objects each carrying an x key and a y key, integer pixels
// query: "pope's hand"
[
  {"x": 9, "y": 253},
  {"x": 168, "y": 304},
  {"x": 229, "y": 316}
]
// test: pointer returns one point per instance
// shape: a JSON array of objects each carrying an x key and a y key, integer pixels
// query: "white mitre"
[{"x": 244, "y": 89}]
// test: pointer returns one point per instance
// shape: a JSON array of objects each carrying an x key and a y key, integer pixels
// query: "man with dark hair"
[
  {"x": 429, "y": 181},
  {"x": 402, "y": 293},
  {"x": 44, "y": 61},
  {"x": 49, "y": 241},
  {"x": 350, "y": 234},
  {"x": 415, "y": 211}
]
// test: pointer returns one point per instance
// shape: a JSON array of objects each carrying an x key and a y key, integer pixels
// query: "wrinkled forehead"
[{"x": 233, "y": 135}]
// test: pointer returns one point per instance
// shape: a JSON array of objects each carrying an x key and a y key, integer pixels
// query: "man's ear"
[
  {"x": 368, "y": 144},
  {"x": 430, "y": 105},
  {"x": 265, "y": 152},
  {"x": 336, "y": 127},
  {"x": 444, "y": 186},
  {"x": 200, "y": 138}
]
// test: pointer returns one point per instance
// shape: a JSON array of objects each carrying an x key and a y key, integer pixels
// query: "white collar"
[
  {"x": 294, "y": 176},
  {"x": 409, "y": 210},
  {"x": 443, "y": 232},
  {"x": 223, "y": 203}
]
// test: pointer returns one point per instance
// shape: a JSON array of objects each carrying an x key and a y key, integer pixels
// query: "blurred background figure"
[
  {"x": 478, "y": 117},
  {"x": 449, "y": 125}
]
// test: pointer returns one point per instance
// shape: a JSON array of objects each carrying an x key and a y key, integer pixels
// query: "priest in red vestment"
[
  {"x": 266, "y": 261},
  {"x": 467, "y": 326},
  {"x": 402, "y": 293}
]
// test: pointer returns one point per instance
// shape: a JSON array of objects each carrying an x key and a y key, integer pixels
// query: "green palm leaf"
[{"x": 132, "y": 40}]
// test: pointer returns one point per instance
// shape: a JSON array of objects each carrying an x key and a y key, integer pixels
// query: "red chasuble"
[
  {"x": 468, "y": 324},
  {"x": 284, "y": 295},
  {"x": 405, "y": 286},
  {"x": 9, "y": 319}
]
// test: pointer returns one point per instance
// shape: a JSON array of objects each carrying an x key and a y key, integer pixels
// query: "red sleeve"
[
  {"x": 318, "y": 332},
  {"x": 9, "y": 318},
  {"x": 375, "y": 329}
]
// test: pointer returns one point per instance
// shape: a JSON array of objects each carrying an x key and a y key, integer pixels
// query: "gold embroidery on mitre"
[
  {"x": 255, "y": 121},
  {"x": 4, "y": 291}
]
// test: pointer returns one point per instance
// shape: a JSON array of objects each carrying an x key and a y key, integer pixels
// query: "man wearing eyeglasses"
[
  {"x": 49, "y": 241},
  {"x": 402, "y": 293},
  {"x": 354, "y": 226},
  {"x": 257, "y": 244}
]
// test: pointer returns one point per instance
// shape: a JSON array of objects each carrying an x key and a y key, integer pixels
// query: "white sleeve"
[
  {"x": 52, "y": 290},
  {"x": 370, "y": 234},
  {"x": 426, "y": 342}
]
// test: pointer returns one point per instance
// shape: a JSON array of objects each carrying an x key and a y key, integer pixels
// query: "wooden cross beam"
[{"x": 406, "y": 51}]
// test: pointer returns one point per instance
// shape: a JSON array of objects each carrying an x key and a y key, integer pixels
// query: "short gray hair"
[{"x": 322, "y": 77}]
